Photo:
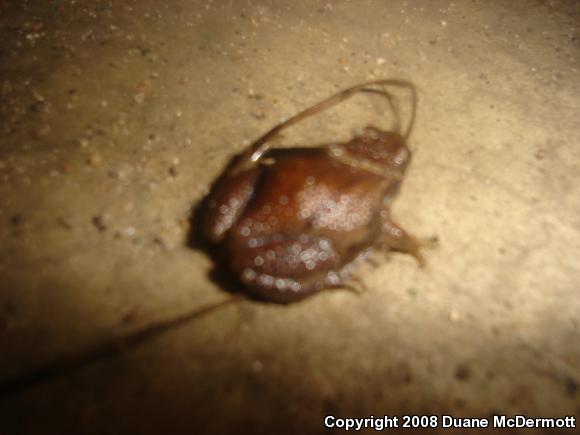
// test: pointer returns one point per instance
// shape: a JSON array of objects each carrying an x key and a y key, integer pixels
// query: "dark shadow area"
[{"x": 107, "y": 349}]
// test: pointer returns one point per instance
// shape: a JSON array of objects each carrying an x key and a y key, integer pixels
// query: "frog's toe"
[
  {"x": 355, "y": 285},
  {"x": 429, "y": 242}
]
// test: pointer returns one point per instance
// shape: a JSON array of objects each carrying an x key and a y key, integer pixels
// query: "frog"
[{"x": 291, "y": 222}]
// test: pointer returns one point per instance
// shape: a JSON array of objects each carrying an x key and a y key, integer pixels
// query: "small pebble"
[
  {"x": 258, "y": 114},
  {"x": 42, "y": 131},
  {"x": 139, "y": 97},
  {"x": 65, "y": 223},
  {"x": 158, "y": 240},
  {"x": 37, "y": 106},
  {"x": 257, "y": 366},
  {"x": 94, "y": 160},
  {"x": 128, "y": 232},
  {"x": 99, "y": 223},
  {"x": 17, "y": 219}
]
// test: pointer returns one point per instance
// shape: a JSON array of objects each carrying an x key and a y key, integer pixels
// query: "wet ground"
[{"x": 115, "y": 119}]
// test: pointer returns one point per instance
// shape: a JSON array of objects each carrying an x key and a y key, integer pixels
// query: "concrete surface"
[{"x": 116, "y": 117}]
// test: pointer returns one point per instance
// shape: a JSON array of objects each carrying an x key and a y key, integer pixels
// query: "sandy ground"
[{"x": 115, "y": 119}]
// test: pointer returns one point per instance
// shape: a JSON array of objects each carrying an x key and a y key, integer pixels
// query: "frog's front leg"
[
  {"x": 286, "y": 268},
  {"x": 228, "y": 200},
  {"x": 396, "y": 238}
]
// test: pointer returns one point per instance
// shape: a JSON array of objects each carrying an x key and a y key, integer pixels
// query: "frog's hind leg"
[
  {"x": 285, "y": 268},
  {"x": 396, "y": 238}
]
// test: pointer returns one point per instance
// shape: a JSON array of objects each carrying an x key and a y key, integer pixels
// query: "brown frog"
[{"x": 292, "y": 222}]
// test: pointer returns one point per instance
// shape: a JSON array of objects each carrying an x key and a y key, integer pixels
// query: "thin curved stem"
[{"x": 261, "y": 145}]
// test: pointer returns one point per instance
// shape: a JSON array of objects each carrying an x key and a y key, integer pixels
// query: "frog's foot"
[{"x": 396, "y": 238}]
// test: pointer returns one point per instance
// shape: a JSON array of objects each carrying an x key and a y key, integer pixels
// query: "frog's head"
[{"x": 386, "y": 149}]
